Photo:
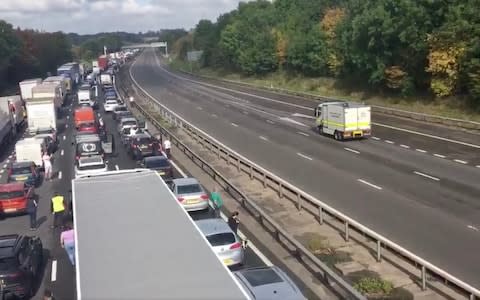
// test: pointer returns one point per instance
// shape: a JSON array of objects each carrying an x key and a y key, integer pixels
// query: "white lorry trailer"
[
  {"x": 26, "y": 87},
  {"x": 6, "y": 130},
  {"x": 41, "y": 115},
  {"x": 343, "y": 120},
  {"x": 48, "y": 90},
  {"x": 13, "y": 106},
  {"x": 30, "y": 149},
  {"x": 62, "y": 82},
  {"x": 106, "y": 79}
]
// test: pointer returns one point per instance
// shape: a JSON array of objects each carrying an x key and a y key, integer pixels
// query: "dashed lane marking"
[
  {"x": 370, "y": 184},
  {"x": 389, "y": 142},
  {"x": 60, "y": 175},
  {"x": 472, "y": 227},
  {"x": 54, "y": 271},
  {"x": 405, "y": 146},
  {"x": 1, "y": 171},
  {"x": 352, "y": 150},
  {"x": 233, "y": 124},
  {"x": 214, "y": 115},
  {"x": 304, "y": 156},
  {"x": 439, "y": 155},
  {"x": 460, "y": 161},
  {"x": 263, "y": 138},
  {"x": 5, "y": 165},
  {"x": 303, "y": 133},
  {"x": 199, "y": 108},
  {"x": 426, "y": 176},
  {"x": 117, "y": 167},
  {"x": 478, "y": 166},
  {"x": 375, "y": 138},
  {"x": 62, "y": 152},
  {"x": 245, "y": 112},
  {"x": 270, "y": 121},
  {"x": 421, "y": 150}
]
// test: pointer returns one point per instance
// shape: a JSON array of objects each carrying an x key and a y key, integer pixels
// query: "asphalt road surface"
[
  {"x": 58, "y": 273},
  {"x": 425, "y": 203}
]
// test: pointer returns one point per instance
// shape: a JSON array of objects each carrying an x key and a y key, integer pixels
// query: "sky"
[{"x": 92, "y": 16}]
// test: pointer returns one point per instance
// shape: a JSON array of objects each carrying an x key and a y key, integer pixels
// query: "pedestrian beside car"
[
  {"x": 47, "y": 165},
  {"x": 67, "y": 241},
  {"x": 32, "y": 212},
  {"x": 58, "y": 210},
  {"x": 233, "y": 221},
  {"x": 167, "y": 146},
  {"x": 217, "y": 202}
]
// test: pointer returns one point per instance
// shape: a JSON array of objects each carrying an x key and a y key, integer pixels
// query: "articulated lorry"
[
  {"x": 103, "y": 62},
  {"x": 343, "y": 120},
  {"x": 42, "y": 115},
  {"x": 13, "y": 107}
]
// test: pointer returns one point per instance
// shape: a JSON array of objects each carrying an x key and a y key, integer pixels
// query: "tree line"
[{"x": 400, "y": 46}]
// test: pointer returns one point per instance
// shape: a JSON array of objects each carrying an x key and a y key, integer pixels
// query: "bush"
[{"x": 374, "y": 286}]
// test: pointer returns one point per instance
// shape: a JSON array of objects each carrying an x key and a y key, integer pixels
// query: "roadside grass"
[{"x": 329, "y": 87}]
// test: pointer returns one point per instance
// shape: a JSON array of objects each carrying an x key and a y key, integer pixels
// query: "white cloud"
[{"x": 90, "y": 16}]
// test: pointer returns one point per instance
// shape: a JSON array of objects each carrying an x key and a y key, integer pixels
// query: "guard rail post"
[
  {"x": 280, "y": 190},
  {"x": 320, "y": 215},
  {"x": 299, "y": 201},
  {"x": 251, "y": 172},
  {"x": 238, "y": 164},
  {"x": 218, "y": 152},
  {"x": 424, "y": 278},
  {"x": 347, "y": 231},
  {"x": 379, "y": 251},
  {"x": 264, "y": 180}
]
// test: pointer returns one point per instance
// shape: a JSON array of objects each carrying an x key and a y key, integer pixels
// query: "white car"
[
  {"x": 90, "y": 165},
  {"x": 110, "y": 105}
]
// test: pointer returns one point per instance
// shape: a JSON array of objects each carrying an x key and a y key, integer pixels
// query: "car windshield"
[
  {"x": 157, "y": 163},
  {"x": 221, "y": 239},
  {"x": 8, "y": 263},
  {"x": 129, "y": 123},
  {"x": 189, "y": 189},
  {"x": 262, "y": 277},
  {"x": 21, "y": 170},
  {"x": 121, "y": 108},
  {"x": 11, "y": 195}
]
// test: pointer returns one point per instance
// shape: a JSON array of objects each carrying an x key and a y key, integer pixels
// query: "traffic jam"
[{"x": 75, "y": 124}]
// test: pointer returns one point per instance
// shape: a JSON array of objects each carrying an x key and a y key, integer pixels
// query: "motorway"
[
  {"x": 58, "y": 274},
  {"x": 424, "y": 202}
]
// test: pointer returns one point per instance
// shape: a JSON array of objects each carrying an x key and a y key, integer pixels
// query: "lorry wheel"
[{"x": 335, "y": 135}]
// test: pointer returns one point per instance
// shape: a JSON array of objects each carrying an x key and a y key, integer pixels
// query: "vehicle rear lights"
[
  {"x": 235, "y": 246},
  {"x": 204, "y": 197},
  {"x": 180, "y": 199}
]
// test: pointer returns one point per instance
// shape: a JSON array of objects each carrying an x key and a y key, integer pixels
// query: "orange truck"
[{"x": 84, "y": 115}]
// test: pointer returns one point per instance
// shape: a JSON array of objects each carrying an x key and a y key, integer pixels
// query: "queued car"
[
  {"x": 190, "y": 194},
  {"x": 160, "y": 164},
  {"x": 119, "y": 109},
  {"x": 267, "y": 283},
  {"x": 21, "y": 260},
  {"x": 14, "y": 197},
  {"x": 125, "y": 123},
  {"x": 24, "y": 171},
  {"x": 90, "y": 165},
  {"x": 225, "y": 243},
  {"x": 141, "y": 145},
  {"x": 87, "y": 145},
  {"x": 122, "y": 114},
  {"x": 110, "y": 105}
]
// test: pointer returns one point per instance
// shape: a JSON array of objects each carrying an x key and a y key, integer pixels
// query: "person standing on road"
[
  {"x": 47, "y": 164},
  {"x": 67, "y": 241},
  {"x": 167, "y": 146},
  {"x": 233, "y": 221},
  {"x": 217, "y": 201},
  {"x": 32, "y": 212},
  {"x": 58, "y": 210}
]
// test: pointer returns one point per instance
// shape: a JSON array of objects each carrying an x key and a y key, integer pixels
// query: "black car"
[
  {"x": 21, "y": 259},
  {"x": 160, "y": 164},
  {"x": 119, "y": 110},
  {"x": 122, "y": 114},
  {"x": 142, "y": 145}
]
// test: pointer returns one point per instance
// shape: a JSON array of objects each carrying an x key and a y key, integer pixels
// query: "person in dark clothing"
[
  {"x": 233, "y": 221},
  {"x": 32, "y": 212}
]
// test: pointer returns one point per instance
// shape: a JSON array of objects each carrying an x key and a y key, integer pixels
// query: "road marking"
[
  {"x": 426, "y": 176},
  {"x": 1, "y": 171},
  {"x": 303, "y": 133},
  {"x": 270, "y": 121},
  {"x": 460, "y": 161},
  {"x": 66, "y": 125},
  {"x": 245, "y": 112},
  {"x": 293, "y": 121},
  {"x": 472, "y": 227},
  {"x": 439, "y": 155},
  {"x": 214, "y": 115},
  {"x": 478, "y": 166},
  {"x": 199, "y": 108},
  {"x": 54, "y": 271},
  {"x": 5, "y": 165},
  {"x": 10, "y": 156},
  {"x": 60, "y": 175},
  {"x": 304, "y": 156},
  {"x": 263, "y": 138},
  {"x": 62, "y": 152},
  {"x": 303, "y": 116},
  {"x": 64, "y": 137},
  {"x": 233, "y": 124},
  {"x": 117, "y": 167},
  {"x": 68, "y": 117},
  {"x": 421, "y": 150},
  {"x": 351, "y": 150},
  {"x": 370, "y": 184},
  {"x": 389, "y": 142},
  {"x": 375, "y": 138},
  {"x": 8, "y": 160}
]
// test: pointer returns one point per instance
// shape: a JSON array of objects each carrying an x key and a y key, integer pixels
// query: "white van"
[{"x": 30, "y": 149}]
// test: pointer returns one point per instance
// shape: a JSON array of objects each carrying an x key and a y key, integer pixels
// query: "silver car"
[
  {"x": 90, "y": 165},
  {"x": 110, "y": 105},
  {"x": 190, "y": 194},
  {"x": 225, "y": 243},
  {"x": 268, "y": 283}
]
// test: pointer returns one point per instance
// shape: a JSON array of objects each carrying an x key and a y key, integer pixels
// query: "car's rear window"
[
  {"x": 141, "y": 141},
  {"x": 111, "y": 102},
  {"x": 262, "y": 277},
  {"x": 21, "y": 170},
  {"x": 221, "y": 239},
  {"x": 189, "y": 189},
  {"x": 157, "y": 163},
  {"x": 10, "y": 195},
  {"x": 129, "y": 123},
  {"x": 86, "y": 125},
  {"x": 121, "y": 108},
  {"x": 8, "y": 263}
]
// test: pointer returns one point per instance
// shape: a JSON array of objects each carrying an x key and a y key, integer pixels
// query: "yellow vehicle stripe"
[{"x": 330, "y": 123}]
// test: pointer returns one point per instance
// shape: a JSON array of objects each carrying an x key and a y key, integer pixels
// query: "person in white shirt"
[
  {"x": 47, "y": 164},
  {"x": 167, "y": 146},
  {"x": 133, "y": 131}
]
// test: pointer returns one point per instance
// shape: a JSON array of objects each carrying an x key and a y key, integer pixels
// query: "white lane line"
[
  {"x": 389, "y": 142},
  {"x": 60, "y": 175},
  {"x": 233, "y": 124},
  {"x": 68, "y": 117},
  {"x": 66, "y": 125},
  {"x": 199, "y": 108},
  {"x": 478, "y": 166},
  {"x": 302, "y": 133},
  {"x": 427, "y": 176},
  {"x": 64, "y": 137},
  {"x": 375, "y": 138},
  {"x": 117, "y": 167},
  {"x": 421, "y": 150},
  {"x": 5, "y": 165},
  {"x": 370, "y": 184},
  {"x": 62, "y": 152},
  {"x": 214, "y": 115},
  {"x": 54, "y": 271},
  {"x": 263, "y": 138},
  {"x": 1, "y": 171},
  {"x": 460, "y": 161},
  {"x": 270, "y": 121},
  {"x": 304, "y": 156},
  {"x": 245, "y": 112},
  {"x": 472, "y": 227},
  {"x": 8, "y": 160},
  {"x": 352, "y": 150},
  {"x": 439, "y": 155},
  {"x": 10, "y": 156}
]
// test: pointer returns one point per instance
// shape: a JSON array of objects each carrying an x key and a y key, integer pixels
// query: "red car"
[{"x": 14, "y": 197}]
